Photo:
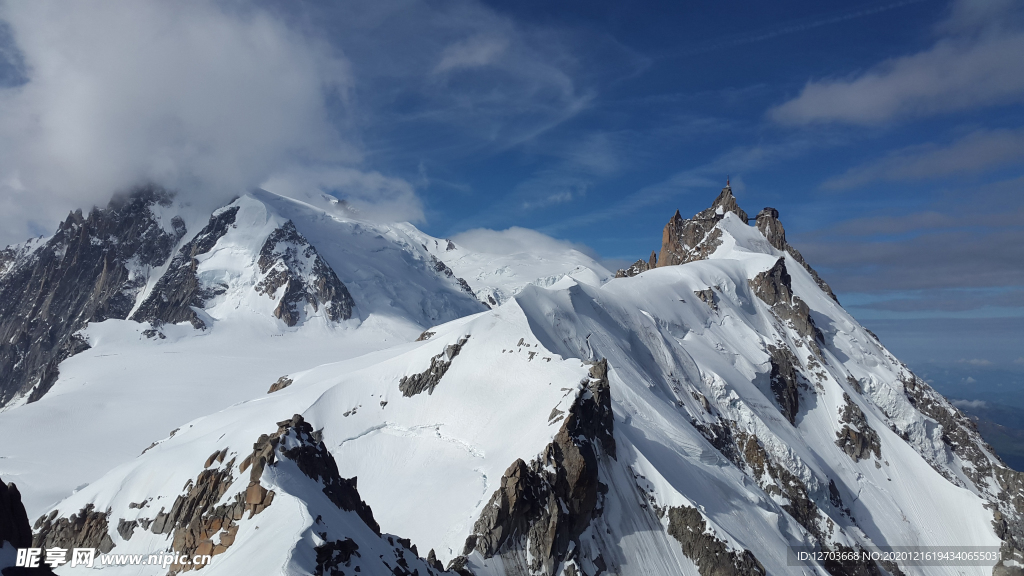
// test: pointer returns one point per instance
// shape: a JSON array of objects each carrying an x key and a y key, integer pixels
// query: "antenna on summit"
[{"x": 727, "y": 182}]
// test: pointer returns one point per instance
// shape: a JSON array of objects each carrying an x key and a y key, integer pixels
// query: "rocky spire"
[
  {"x": 769, "y": 225},
  {"x": 695, "y": 239},
  {"x": 687, "y": 240}
]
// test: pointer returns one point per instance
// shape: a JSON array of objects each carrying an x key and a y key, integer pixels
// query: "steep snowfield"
[
  {"x": 496, "y": 277},
  {"x": 129, "y": 389},
  {"x": 723, "y": 402}
]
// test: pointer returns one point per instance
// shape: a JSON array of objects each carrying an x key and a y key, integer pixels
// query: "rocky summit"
[{"x": 289, "y": 389}]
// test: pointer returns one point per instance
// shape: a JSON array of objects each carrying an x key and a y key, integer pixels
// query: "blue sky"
[{"x": 890, "y": 135}]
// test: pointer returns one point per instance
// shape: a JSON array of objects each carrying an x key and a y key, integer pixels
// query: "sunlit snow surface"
[{"x": 428, "y": 464}]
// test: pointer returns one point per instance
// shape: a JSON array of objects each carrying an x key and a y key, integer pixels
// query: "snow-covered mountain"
[{"x": 703, "y": 413}]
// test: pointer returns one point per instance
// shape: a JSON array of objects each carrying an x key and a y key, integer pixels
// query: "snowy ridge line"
[{"x": 737, "y": 411}]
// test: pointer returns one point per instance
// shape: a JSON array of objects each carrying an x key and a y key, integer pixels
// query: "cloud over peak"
[{"x": 188, "y": 95}]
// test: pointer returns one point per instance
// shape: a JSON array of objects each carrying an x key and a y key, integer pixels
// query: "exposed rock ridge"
[
  {"x": 806, "y": 504},
  {"x": 774, "y": 287},
  {"x": 639, "y": 266},
  {"x": 710, "y": 553},
  {"x": 1000, "y": 485},
  {"x": 816, "y": 504},
  {"x": 535, "y": 520},
  {"x": 857, "y": 439},
  {"x": 289, "y": 261},
  {"x": 205, "y": 518},
  {"x": 707, "y": 296},
  {"x": 695, "y": 239},
  {"x": 688, "y": 240},
  {"x": 443, "y": 268},
  {"x": 179, "y": 289},
  {"x": 769, "y": 225},
  {"x": 427, "y": 380},
  {"x": 90, "y": 270},
  {"x": 86, "y": 528},
  {"x": 299, "y": 443},
  {"x": 784, "y": 381}
]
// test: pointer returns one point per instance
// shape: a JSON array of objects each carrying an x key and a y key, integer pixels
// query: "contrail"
[{"x": 800, "y": 27}]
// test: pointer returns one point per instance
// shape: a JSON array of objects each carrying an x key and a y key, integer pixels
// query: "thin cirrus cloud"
[
  {"x": 976, "y": 63},
  {"x": 978, "y": 151}
]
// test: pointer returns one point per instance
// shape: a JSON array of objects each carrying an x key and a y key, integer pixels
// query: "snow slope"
[{"x": 733, "y": 382}]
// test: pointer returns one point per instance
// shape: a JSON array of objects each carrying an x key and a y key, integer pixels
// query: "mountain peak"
[{"x": 697, "y": 238}]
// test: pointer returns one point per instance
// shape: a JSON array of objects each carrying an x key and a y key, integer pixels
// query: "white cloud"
[
  {"x": 516, "y": 240},
  {"x": 970, "y": 403},
  {"x": 975, "y": 152},
  {"x": 976, "y": 362},
  {"x": 977, "y": 64},
  {"x": 472, "y": 53},
  {"x": 369, "y": 195},
  {"x": 203, "y": 98}
]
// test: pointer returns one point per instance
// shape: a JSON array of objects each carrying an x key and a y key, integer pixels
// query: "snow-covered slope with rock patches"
[
  {"x": 153, "y": 325},
  {"x": 691, "y": 419}
]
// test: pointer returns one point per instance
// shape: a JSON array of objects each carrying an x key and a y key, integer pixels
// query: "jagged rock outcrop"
[
  {"x": 179, "y": 289},
  {"x": 769, "y": 225},
  {"x": 535, "y": 519},
  {"x": 297, "y": 441},
  {"x": 638, "y": 267},
  {"x": 857, "y": 439},
  {"x": 710, "y": 553},
  {"x": 289, "y": 262},
  {"x": 86, "y": 528},
  {"x": 687, "y": 240},
  {"x": 282, "y": 383},
  {"x": 443, "y": 268},
  {"x": 775, "y": 288},
  {"x": 695, "y": 239},
  {"x": 431, "y": 377},
  {"x": 90, "y": 270},
  {"x": 707, "y": 296},
  {"x": 784, "y": 381}
]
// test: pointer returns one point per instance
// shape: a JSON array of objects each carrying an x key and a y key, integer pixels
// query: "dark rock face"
[
  {"x": 431, "y": 377},
  {"x": 774, "y": 287},
  {"x": 857, "y": 439},
  {"x": 330, "y": 556},
  {"x": 711, "y": 554},
  {"x": 707, "y": 296},
  {"x": 290, "y": 262},
  {"x": 694, "y": 239},
  {"x": 90, "y": 270},
  {"x": 534, "y": 521},
  {"x": 178, "y": 290},
  {"x": 443, "y": 269},
  {"x": 303, "y": 446},
  {"x": 784, "y": 382},
  {"x": 85, "y": 529},
  {"x": 14, "y": 527},
  {"x": 769, "y": 225}
]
